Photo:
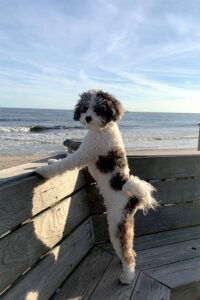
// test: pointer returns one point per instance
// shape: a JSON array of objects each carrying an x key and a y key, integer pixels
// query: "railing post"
[{"x": 199, "y": 138}]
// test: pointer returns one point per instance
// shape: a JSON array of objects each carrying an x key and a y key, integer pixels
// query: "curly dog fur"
[{"x": 103, "y": 152}]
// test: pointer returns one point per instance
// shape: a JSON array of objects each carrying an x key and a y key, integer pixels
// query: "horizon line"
[{"x": 126, "y": 111}]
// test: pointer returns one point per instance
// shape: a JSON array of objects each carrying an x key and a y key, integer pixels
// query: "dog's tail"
[{"x": 141, "y": 190}]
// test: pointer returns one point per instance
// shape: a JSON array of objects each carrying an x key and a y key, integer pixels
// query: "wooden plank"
[
  {"x": 177, "y": 191},
  {"x": 24, "y": 170},
  {"x": 95, "y": 200},
  {"x": 41, "y": 281},
  {"x": 84, "y": 279},
  {"x": 22, "y": 248},
  {"x": 149, "y": 289},
  {"x": 168, "y": 218},
  {"x": 110, "y": 287},
  {"x": 158, "y": 167},
  {"x": 186, "y": 292},
  {"x": 167, "y": 238},
  {"x": 22, "y": 199},
  {"x": 164, "y": 255},
  {"x": 159, "y": 239},
  {"x": 165, "y": 166},
  {"x": 178, "y": 274},
  {"x": 164, "y": 219},
  {"x": 168, "y": 192},
  {"x": 100, "y": 225}
]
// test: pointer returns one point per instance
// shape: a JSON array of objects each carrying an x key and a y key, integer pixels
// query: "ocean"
[{"x": 27, "y": 131}]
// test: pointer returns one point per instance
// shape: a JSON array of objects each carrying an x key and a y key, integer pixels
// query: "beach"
[
  {"x": 8, "y": 161},
  {"x": 28, "y": 135}
]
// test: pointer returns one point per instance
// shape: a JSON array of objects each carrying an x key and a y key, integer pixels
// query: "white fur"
[
  {"x": 99, "y": 141},
  {"x": 142, "y": 190},
  {"x": 128, "y": 274}
]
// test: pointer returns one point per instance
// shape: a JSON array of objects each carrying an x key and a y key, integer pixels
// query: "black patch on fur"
[
  {"x": 131, "y": 204},
  {"x": 107, "y": 107},
  {"x": 108, "y": 163},
  {"x": 82, "y": 106},
  {"x": 118, "y": 180}
]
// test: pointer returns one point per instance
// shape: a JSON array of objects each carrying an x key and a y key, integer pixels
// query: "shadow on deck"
[{"x": 54, "y": 241}]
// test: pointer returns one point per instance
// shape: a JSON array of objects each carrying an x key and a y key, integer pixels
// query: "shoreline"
[{"x": 8, "y": 161}]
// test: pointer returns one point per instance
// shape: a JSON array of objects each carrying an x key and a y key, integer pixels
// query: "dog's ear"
[
  {"x": 117, "y": 109},
  {"x": 82, "y": 105},
  {"x": 77, "y": 112},
  {"x": 114, "y": 108}
]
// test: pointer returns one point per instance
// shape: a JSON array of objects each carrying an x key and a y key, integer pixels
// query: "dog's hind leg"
[{"x": 121, "y": 235}]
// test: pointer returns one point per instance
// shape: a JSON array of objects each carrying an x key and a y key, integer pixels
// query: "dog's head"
[{"x": 96, "y": 109}]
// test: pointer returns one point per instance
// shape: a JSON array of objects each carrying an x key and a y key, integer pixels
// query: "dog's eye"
[
  {"x": 84, "y": 109},
  {"x": 97, "y": 110},
  {"x": 83, "y": 106},
  {"x": 103, "y": 111}
]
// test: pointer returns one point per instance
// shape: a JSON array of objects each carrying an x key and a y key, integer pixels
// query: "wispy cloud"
[{"x": 145, "y": 52}]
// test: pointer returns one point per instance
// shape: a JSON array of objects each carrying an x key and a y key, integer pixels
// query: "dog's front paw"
[{"x": 46, "y": 171}]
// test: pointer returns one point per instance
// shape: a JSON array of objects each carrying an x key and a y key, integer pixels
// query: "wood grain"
[
  {"x": 149, "y": 289},
  {"x": 178, "y": 274},
  {"x": 177, "y": 191},
  {"x": 168, "y": 218},
  {"x": 168, "y": 192},
  {"x": 160, "y": 167},
  {"x": 84, "y": 279},
  {"x": 22, "y": 248},
  {"x": 159, "y": 239},
  {"x": 190, "y": 291},
  {"x": 41, "y": 281},
  {"x": 110, "y": 287},
  {"x": 164, "y": 219},
  {"x": 24, "y": 198},
  {"x": 165, "y": 255}
]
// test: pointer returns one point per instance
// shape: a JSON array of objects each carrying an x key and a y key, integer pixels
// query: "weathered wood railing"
[
  {"x": 45, "y": 231},
  {"x": 48, "y": 226},
  {"x": 177, "y": 180}
]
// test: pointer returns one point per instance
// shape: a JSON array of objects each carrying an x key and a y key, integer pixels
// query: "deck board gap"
[
  {"x": 166, "y": 265},
  {"x": 149, "y": 275}
]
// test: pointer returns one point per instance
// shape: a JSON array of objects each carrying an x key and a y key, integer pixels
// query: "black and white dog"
[{"x": 102, "y": 151}]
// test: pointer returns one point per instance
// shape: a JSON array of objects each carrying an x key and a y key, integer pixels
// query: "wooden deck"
[
  {"x": 168, "y": 267},
  {"x": 54, "y": 242}
]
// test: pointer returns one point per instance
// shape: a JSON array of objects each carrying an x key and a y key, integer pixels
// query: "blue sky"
[{"x": 145, "y": 52}]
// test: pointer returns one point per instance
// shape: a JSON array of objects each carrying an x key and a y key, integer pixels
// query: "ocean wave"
[
  {"x": 41, "y": 128},
  {"x": 10, "y": 120},
  {"x": 37, "y": 128},
  {"x": 14, "y": 129}
]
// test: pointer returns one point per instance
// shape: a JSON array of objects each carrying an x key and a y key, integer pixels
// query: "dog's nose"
[{"x": 88, "y": 119}]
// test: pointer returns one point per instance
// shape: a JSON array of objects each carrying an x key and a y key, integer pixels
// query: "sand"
[{"x": 8, "y": 161}]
